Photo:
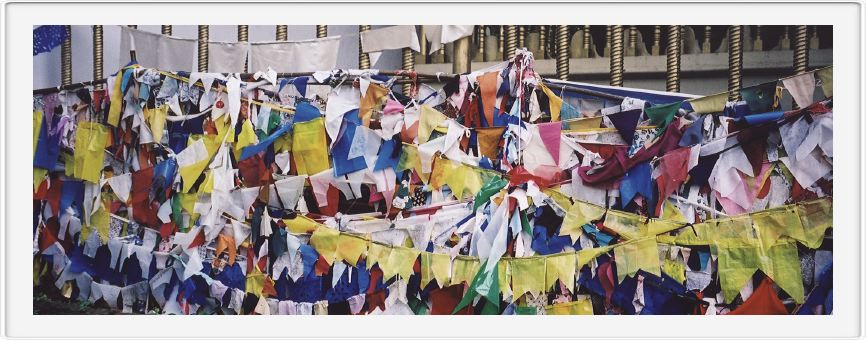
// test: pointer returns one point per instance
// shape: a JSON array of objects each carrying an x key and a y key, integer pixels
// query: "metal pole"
[
  {"x": 587, "y": 37},
  {"x": 166, "y": 29},
  {"x": 616, "y": 56},
  {"x": 203, "y": 32},
  {"x": 244, "y": 36},
  {"x": 321, "y": 31},
  {"x": 363, "y": 58},
  {"x": 562, "y": 52},
  {"x": 758, "y": 44},
  {"x": 521, "y": 36},
  {"x": 607, "y": 41},
  {"x": 510, "y": 41},
  {"x": 707, "y": 45},
  {"x": 461, "y": 58},
  {"x": 657, "y": 38},
  {"x": 735, "y": 62},
  {"x": 97, "y": 53},
  {"x": 66, "y": 58},
  {"x": 673, "y": 65},
  {"x": 631, "y": 51},
  {"x": 408, "y": 65},
  {"x": 801, "y": 51},
  {"x": 282, "y": 32},
  {"x": 814, "y": 43},
  {"x": 542, "y": 41},
  {"x": 479, "y": 56}
]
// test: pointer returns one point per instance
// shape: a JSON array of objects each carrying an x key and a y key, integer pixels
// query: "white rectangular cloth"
[
  {"x": 439, "y": 35},
  {"x": 227, "y": 57},
  {"x": 375, "y": 41},
  {"x": 296, "y": 56},
  {"x": 802, "y": 88},
  {"x": 158, "y": 51}
]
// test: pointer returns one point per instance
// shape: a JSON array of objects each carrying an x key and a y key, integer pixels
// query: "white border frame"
[{"x": 18, "y": 321}]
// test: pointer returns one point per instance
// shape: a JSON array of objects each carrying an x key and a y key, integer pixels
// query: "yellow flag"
[
  {"x": 156, "y": 120},
  {"x": 37, "y": 127},
  {"x": 324, "y": 240},
  {"x": 587, "y": 254},
  {"x": 555, "y": 103},
  {"x": 709, "y": 104},
  {"x": 350, "y": 248},
  {"x": 581, "y": 306},
  {"x": 401, "y": 262},
  {"x": 584, "y": 123},
  {"x": 116, "y": 100},
  {"x": 378, "y": 253},
  {"x": 301, "y": 225},
  {"x": 783, "y": 266},
  {"x": 527, "y": 275},
  {"x": 463, "y": 269},
  {"x": 640, "y": 254},
  {"x": 579, "y": 214},
  {"x": 504, "y": 275},
  {"x": 375, "y": 96},
  {"x": 675, "y": 270},
  {"x": 826, "y": 77},
  {"x": 38, "y": 177},
  {"x": 90, "y": 139},
  {"x": 310, "y": 147},
  {"x": 435, "y": 266},
  {"x": 561, "y": 267},
  {"x": 816, "y": 217},
  {"x": 430, "y": 119},
  {"x": 629, "y": 226},
  {"x": 256, "y": 281},
  {"x": 246, "y": 137}
]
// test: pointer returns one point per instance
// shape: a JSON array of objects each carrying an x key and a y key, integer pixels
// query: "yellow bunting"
[
  {"x": 488, "y": 140},
  {"x": 350, "y": 248},
  {"x": 463, "y": 269},
  {"x": 629, "y": 226},
  {"x": 640, "y": 254},
  {"x": 310, "y": 147},
  {"x": 558, "y": 197},
  {"x": 826, "y": 77},
  {"x": 301, "y": 225},
  {"x": 435, "y": 266},
  {"x": 561, "y": 267},
  {"x": 246, "y": 138},
  {"x": 672, "y": 213},
  {"x": 90, "y": 139},
  {"x": 661, "y": 226},
  {"x": 324, "y": 240},
  {"x": 579, "y": 214},
  {"x": 156, "y": 119},
  {"x": 771, "y": 224},
  {"x": 256, "y": 281},
  {"x": 781, "y": 263},
  {"x": 472, "y": 180},
  {"x": 581, "y": 306},
  {"x": 116, "y": 100},
  {"x": 675, "y": 270},
  {"x": 586, "y": 255},
  {"x": 504, "y": 275},
  {"x": 38, "y": 177},
  {"x": 99, "y": 221},
  {"x": 37, "y": 127},
  {"x": 200, "y": 149},
  {"x": 378, "y": 253},
  {"x": 283, "y": 143},
  {"x": 816, "y": 217},
  {"x": 207, "y": 185},
  {"x": 555, "y": 103},
  {"x": 709, "y": 104},
  {"x": 375, "y": 96},
  {"x": 400, "y": 262},
  {"x": 527, "y": 275},
  {"x": 430, "y": 119},
  {"x": 583, "y": 123}
]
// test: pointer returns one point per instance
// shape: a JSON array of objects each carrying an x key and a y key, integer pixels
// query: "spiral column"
[
  {"x": 735, "y": 62},
  {"x": 616, "y": 56}
]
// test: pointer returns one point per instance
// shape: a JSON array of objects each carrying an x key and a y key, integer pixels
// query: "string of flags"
[{"x": 204, "y": 193}]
